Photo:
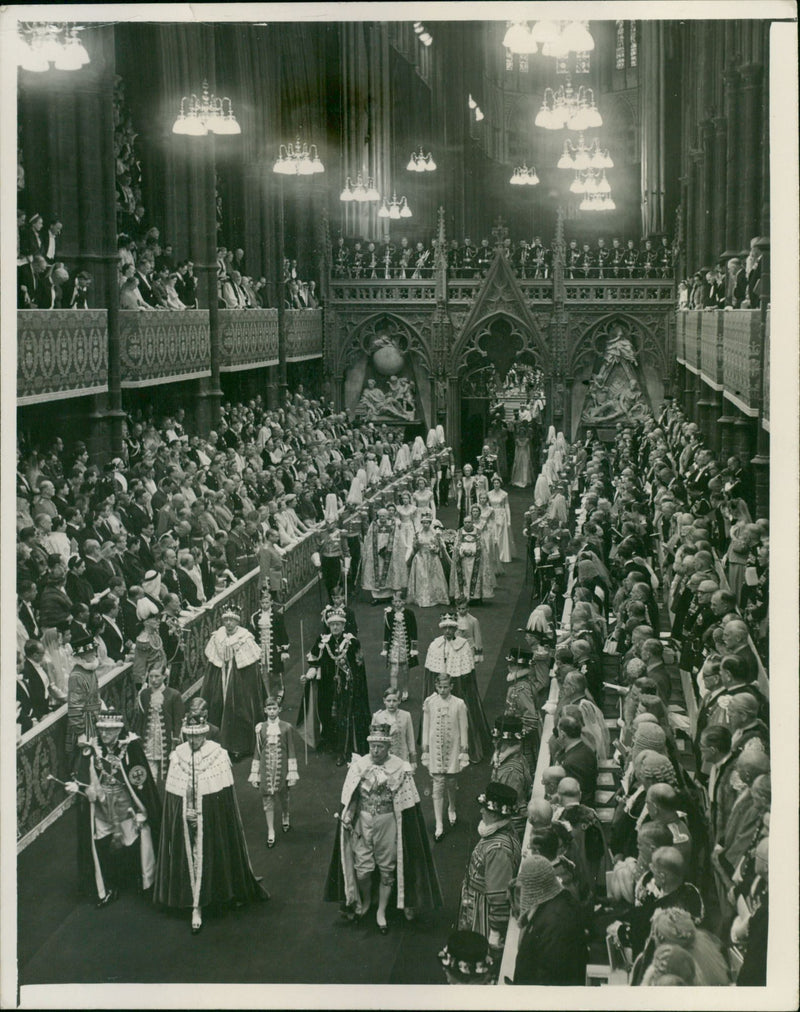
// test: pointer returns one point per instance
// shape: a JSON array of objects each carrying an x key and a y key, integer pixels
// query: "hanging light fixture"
[
  {"x": 524, "y": 176},
  {"x": 298, "y": 160},
  {"x": 565, "y": 108},
  {"x": 360, "y": 193},
  {"x": 597, "y": 202},
  {"x": 422, "y": 33},
  {"x": 420, "y": 162},
  {"x": 581, "y": 156},
  {"x": 395, "y": 208},
  {"x": 595, "y": 189},
  {"x": 207, "y": 114},
  {"x": 556, "y": 38},
  {"x": 40, "y": 45}
]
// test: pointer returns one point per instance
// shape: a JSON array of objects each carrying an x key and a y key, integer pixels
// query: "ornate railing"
[
  {"x": 164, "y": 346},
  {"x": 711, "y": 348},
  {"x": 41, "y": 751},
  {"x": 303, "y": 334},
  {"x": 620, "y": 290},
  {"x": 691, "y": 340},
  {"x": 379, "y": 290},
  {"x": 61, "y": 353},
  {"x": 741, "y": 365},
  {"x": 765, "y": 378},
  {"x": 248, "y": 338}
]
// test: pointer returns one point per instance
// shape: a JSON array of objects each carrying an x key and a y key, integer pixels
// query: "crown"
[
  {"x": 231, "y": 613},
  {"x": 336, "y": 614},
  {"x": 449, "y": 618},
  {"x": 109, "y": 718},
  {"x": 195, "y": 723}
]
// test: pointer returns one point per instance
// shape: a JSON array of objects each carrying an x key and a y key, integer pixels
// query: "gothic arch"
[
  {"x": 361, "y": 338},
  {"x": 499, "y": 337},
  {"x": 651, "y": 348}
]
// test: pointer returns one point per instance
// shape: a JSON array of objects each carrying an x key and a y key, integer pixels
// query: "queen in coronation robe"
[
  {"x": 233, "y": 687},
  {"x": 202, "y": 856},
  {"x": 427, "y": 585}
]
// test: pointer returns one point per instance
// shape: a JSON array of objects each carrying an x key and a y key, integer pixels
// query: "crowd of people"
[
  {"x": 367, "y": 259},
  {"x": 732, "y": 283},
  {"x": 652, "y": 589}
]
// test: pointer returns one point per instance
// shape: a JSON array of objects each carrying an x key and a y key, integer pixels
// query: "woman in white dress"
[
  {"x": 483, "y": 525},
  {"x": 423, "y": 501},
  {"x": 521, "y": 474},
  {"x": 406, "y": 514},
  {"x": 501, "y": 518}
]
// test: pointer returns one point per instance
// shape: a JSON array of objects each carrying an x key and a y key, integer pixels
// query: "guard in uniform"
[
  {"x": 357, "y": 261},
  {"x": 332, "y": 556},
  {"x": 648, "y": 262},
  {"x": 454, "y": 258},
  {"x": 573, "y": 259},
  {"x": 617, "y": 258},
  {"x": 119, "y": 816},
  {"x": 586, "y": 262},
  {"x": 630, "y": 261},
  {"x": 509, "y": 766},
  {"x": 484, "y": 256},
  {"x": 540, "y": 258},
  {"x": 664, "y": 259},
  {"x": 269, "y": 629},
  {"x": 469, "y": 259},
  {"x": 603, "y": 257},
  {"x": 403, "y": 259},
  {"x": 522, "y": 260},
  {"x": 341, "y": 259},
  {"x": 388, "y": 260}
]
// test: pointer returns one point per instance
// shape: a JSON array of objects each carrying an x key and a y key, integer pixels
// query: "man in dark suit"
[
  {"x": 36, "y": 679},
  {"x": 652, "y": 653},
  {"x": 735, "y": 642},
  {"x": 34, "y": 287},
  {"x": 27, "y": 591},
  {"x": 578, "y": 759},
  {"x": 98, "y": 569},
  {"x": 111, "y": 633},
  {"x": 75, "y": 294}
]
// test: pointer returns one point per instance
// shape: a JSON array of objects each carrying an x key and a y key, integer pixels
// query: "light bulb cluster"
[
  {"x": 298, "y": 160},
  {"x": 43, "y": 45},
  {"x": 422, "y": 33},
  {"x": 581, "y": 156},
  {"x": 597, "y": 202},
  {"x": 205, "y": 115},
  {"x": 564, "y": 108},
  {"x": 475, "y": 108},
  {"x": 524, "y": 176},
  {"x": 554, "y": 38},
  {"x": 420, "y": 162},
  {"x": 361, "y": 193},
  {"x": 395, "y": 208}
]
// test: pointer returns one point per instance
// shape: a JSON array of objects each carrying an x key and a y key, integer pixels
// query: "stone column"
[
  {"x": 725, "y": 424},
  {"x": 705, "y": 223},
  {"x": 733, "y": 162},
  {"x": 744, "y": 437},
  {"x": 750, "y": 176},
  {"x": 721, "y": 165},
  {"x": 689, "y": 387},
  {"x": 453, "y": 425}
]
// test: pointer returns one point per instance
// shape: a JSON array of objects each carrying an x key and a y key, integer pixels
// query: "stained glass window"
[
  {"x": 633, "y": 46},
  {"x": 523, "y": 63},
  {"x": 509, "y": 60},
  {"x": 583, "y": 63}
]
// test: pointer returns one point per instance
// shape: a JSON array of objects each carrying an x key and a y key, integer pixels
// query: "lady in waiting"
[
  {"x": 426, "y": 581},
  {"x": 423, "y": 501},
  {"x": 521, "y": 474},
  {"x": 501, "y": 519},
  {"x": 406, "y": 514},
  {"x": 483, "y": 525},
  {"x": 487, "y": 523}
]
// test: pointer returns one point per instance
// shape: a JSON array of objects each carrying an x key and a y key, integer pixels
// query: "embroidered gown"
[
  {"x": 426, "y": 581},
  {"x": 471, "y": 574}
]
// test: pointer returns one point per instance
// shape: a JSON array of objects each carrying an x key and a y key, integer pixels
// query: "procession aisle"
[{"x": 295, "y": 937}]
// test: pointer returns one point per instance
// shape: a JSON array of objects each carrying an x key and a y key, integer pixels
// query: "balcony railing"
[
  {"x": 248, "y": 338},
  {"x": 617, "y": 290},
  {"x": 380, "y": 290},
  {"x": 303, "y": 334},
  {"x": 164, "y": 346},
  {"x": 726, "y": 350},
  {"x": 61, "y": 353}
]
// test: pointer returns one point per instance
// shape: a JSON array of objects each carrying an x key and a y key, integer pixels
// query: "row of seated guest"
[
  {"x": 686, "y": 848},
  {"x": 367, "y": 259},
  {"x": 733, "y": 283},
  {"x": 177, "y": 514}
]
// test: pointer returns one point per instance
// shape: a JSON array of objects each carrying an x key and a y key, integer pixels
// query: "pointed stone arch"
[
  {"x": 648, "y": 344},
  {"x": 359, "y": 340},
  {"x": 500, "y": 298}
]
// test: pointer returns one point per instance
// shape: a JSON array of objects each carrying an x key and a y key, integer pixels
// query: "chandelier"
[
  {"x": 574, "y": 110},
  {"x": 297, "y": 160},
  {"x": 556, "y": 38},
  {"x": 359, "y": 193},
  {"x": 205, "y": 115},
  {"x": 395, "y": 208},
  {"x": 524, "y": 176},
  {"x": 581, "y": 156},
  {"x": 419, "y": 162},
  {"x": 597, "y": 202},
  {"x": 43, "y": 44}
]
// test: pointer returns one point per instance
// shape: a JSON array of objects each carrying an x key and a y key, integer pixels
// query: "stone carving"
[{"x": 615, "y": 392}]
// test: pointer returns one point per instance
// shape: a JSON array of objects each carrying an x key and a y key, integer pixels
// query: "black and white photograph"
[{"x": 412, "y": 601}]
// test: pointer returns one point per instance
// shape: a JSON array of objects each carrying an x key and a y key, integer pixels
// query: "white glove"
[
  {"x": 285, "y": 656},
  {"x": 291, "y": 779},
  {"x": 463, "y": 760},
  {"x": 71, "y": 787},
  {"x": 425, "y": 758},
  {"x": 254, "y": 781}
]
